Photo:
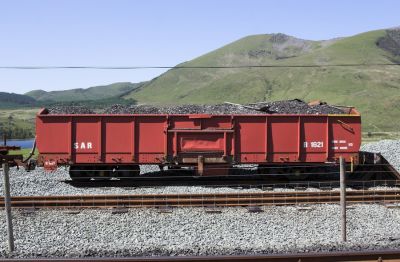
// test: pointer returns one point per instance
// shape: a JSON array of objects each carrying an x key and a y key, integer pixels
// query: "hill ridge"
[{"x": 81, "y": 94}]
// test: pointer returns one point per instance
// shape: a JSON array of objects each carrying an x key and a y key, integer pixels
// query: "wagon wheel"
[
  {"x": 128, "y": 171},
  {"x": 100, "y": 173},
  {"x": 297, "y": 174},
  {"x": 263, "y": 170},
  {"x": 78, "y": 173}
]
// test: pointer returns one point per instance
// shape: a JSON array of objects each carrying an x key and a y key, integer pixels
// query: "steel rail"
[
  {"x": 338, "y": 256},
  {"x": 204, "y": 200}
]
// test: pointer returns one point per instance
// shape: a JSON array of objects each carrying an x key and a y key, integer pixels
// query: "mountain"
[
  {"x": 9, "y": 100},
  {"x": 36, "y": 94},
  {"x": 79, "y": 94},
  {"x": 373, "y": 90}
]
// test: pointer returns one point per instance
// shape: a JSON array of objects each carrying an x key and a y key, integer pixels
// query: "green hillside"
[
  {"x": 11, "y": 100},
  {"x": 374, "y": 90},
  {"x": 79, "y": 94},
  {"x": 18, "y": 123}
]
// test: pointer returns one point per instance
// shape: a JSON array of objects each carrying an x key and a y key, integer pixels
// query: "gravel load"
[
  {"x": 222, "y": 109},
  {"x": 58, "y": 110},
  {"x": 295, "y": 106},
  {"x": 192, "y": 231},
  {"x": 389, "y": 149}
]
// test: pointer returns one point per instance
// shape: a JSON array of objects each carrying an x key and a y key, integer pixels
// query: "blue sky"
[{"x": 150, "y": 32}]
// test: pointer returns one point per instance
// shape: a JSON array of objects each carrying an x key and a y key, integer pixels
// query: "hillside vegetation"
[
  {"x": 374, "y": 90},
  {"x": 80, "y": 94},
  {"x": 18, "y": 123},
  {"x": 11, "y": 100}
]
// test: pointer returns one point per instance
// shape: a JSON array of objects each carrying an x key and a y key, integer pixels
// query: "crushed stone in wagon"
[{"x": 295, "y": 106}]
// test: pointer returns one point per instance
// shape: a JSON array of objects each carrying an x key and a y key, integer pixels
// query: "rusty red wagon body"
[{"x": 199, "y": 140}]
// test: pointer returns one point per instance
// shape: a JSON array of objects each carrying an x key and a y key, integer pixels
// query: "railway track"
[{"x": 204, "y": 200}]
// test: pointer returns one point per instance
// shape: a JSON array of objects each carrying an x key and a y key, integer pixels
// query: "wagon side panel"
[
  {"x": 250, "y": 139},
  {"x": 53, "y": 140},
  {"x": 208, "y": 136},
  {"x": 87, "y": 140},
  {"x": 151, "y": 139},
  {"x": 119, "y": 139},
  {"x": 315, "y": 139},
  {"x": 345, "y": 137}
]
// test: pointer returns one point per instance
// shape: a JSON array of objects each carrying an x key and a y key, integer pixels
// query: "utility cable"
[{"x": 193, "y": 67}]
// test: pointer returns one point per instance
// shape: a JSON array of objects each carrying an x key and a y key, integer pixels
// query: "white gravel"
[
  {"x": 145, "y": 232},
  {"x": 389, "y": 149}
]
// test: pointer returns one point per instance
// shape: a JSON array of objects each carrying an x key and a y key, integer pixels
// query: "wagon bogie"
[
  {"x": 79, "y": 173},
  {"x": 126, "y": 171}
]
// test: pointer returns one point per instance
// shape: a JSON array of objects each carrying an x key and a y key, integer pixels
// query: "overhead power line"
[{"x": 193, "y": 67}]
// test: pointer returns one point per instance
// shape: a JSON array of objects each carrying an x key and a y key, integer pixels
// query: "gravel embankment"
[
  {"x": 389, "y": 149},
  {"x": 145, "y": 232},
  {"x": 295, "y": 106}
]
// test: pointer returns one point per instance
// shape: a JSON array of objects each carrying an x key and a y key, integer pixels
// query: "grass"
[
  {"x": 369, "y": 137},
  {"x": 23, "y": 118},
  {"x": 21, "y": 113},
  {"x": 25, "y": 152}
]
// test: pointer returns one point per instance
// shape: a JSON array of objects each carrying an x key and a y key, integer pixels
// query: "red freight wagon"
[{"x": 108, "y": 144}]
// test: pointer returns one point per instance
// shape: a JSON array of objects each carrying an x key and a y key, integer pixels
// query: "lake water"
[{"x": 23, "y": 143}]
